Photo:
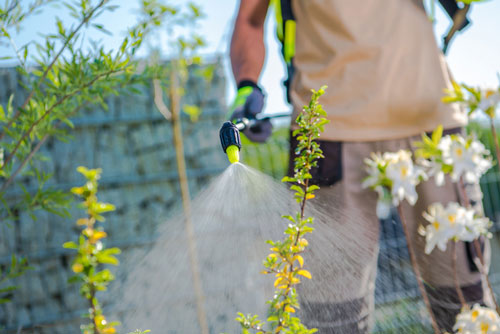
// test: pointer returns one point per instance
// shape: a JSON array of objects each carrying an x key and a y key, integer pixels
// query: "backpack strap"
[
  {"x": 286, "y": 27},
  {"x": 459, "y": 18}
]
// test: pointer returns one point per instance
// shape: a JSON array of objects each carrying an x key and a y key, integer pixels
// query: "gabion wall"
[{"x": 133, "y": 144}]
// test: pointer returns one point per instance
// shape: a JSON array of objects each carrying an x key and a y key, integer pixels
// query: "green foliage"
[
  {"x": 192, "y": 111},
  {"x": 471, "y": 98},
  {"x": 60, "y": 79},
  {"x": 92, "y": 254},
  {"x": 18, "y": 266},
  {"x": 65, "y": 80},
  {"x": 183, "y": 50},
  {"x": 484, "y": 135},
  {"x": 285, "y": 261},
  {"x": 428, "y": 148}
]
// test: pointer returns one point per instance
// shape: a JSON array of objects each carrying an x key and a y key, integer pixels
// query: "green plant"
[
  {"x": 92, "y": 254},
  {"x": 64, "y": 80},
  {"x": 60, "y": 79},
  {"x": 183, "y": 58},
  {"x": 18, "y": 267},
  {"x": 285, "y": 261}
]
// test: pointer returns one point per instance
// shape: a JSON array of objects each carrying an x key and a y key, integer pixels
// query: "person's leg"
[
  {"x": 347, "y": 305},
  {"x": 436, "y": 268},
  {"x": 343, "y": 253}
]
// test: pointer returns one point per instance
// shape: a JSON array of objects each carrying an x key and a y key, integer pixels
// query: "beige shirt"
[{"x": 384, "y": 71}]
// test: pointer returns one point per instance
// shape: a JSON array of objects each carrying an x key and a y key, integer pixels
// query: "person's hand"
[{"x": 248, "y": 103}]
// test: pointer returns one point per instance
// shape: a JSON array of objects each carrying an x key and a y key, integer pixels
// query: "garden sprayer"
[{"x": 230, "y": 134}]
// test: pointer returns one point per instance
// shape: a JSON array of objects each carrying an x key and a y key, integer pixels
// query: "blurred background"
[{"x": 120, "y": 127}]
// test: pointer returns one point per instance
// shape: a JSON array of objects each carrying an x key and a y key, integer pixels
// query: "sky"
[{"x": 473, "y": 57}]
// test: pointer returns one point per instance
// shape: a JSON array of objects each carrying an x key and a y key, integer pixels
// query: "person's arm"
[{"x": 247, "y": 44}]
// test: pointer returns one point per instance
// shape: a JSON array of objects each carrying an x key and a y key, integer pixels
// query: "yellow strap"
[
  {"x": 279, "y": 18},
  {"x": 287, "y": 37},
  {"x": 289, "y": 44}
]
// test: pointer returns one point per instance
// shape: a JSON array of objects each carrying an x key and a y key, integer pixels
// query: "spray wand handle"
[{"x": 245, "y": 123}]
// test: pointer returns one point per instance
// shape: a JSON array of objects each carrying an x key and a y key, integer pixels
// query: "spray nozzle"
[
  {"x": 230, "y": 133},
  {"x": 230, "y": 141}
]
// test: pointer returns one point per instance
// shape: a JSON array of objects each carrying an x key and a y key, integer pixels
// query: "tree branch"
[
  {"x": 48, "y": 111},
  {"x": 158, "y": 99},
  {"x": 36, "y": 149},
  {"x": 44, "y": 75}
]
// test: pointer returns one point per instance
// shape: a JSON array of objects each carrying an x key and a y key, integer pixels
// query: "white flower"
[
  {"x": 478, "y": 320},
  {"x": 475, "y": 227},
  {"x": 445, "y": 145},
  {"x": 445, "y": 223},
  {"x": 394, "y": 177},
  {"x": 433, "y": 168},
  {"x": 452, "y": 222},
  {"x": 489, "y": 99},
  {"x": 374, "y": 168},
  {"x": 469, "y": 158},
  {"x": 405, "y": 176}
]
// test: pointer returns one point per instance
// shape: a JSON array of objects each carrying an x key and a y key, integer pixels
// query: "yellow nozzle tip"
[{"x": 233, "y": 154}]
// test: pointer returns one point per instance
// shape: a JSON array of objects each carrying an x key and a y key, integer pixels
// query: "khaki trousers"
[{"x": 348, "y": 306}]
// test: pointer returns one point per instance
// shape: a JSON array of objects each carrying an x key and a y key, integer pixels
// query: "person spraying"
[{"x": 386, "y": 76}]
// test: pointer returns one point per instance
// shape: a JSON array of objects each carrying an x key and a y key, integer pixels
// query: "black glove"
[{"x": 248, "y": 103}]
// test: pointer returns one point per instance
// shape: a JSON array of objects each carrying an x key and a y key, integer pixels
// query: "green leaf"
[
  {"x": 192, "y": 111},
  {"x": 450, "y": 99},
  {"x": 307, "y": 229},
  {"x": 288, "y": 179},
  {"x": 103, "y": 276},
  {"x": 60, "y": 27},
  {"x": 103, "y": 207},
  {"x": 111, "y": 251},
  {"x": 70, "y": 245},
  {"x": 437, "y": 134},
  {"x": 272, "y": 318},
  {"x": 8, "y": 289},
  {"x": 447, "y": 169},
  {"x": 297, "y": 188},
  {"x": 74, "y": 279},
  {"x": 312, "y": 188},
  {"x": 107, "y": 259}
]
